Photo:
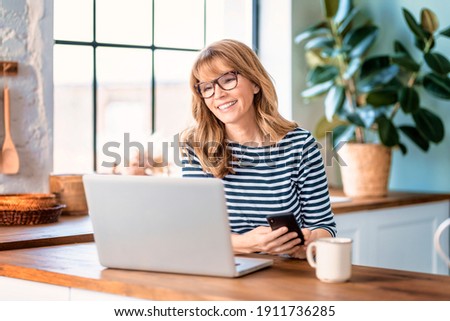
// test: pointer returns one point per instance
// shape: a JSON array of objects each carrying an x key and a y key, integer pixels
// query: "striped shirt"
[{"x": 286, "y": 177}]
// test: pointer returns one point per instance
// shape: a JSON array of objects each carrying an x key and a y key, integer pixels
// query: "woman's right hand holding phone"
[{"x": 264, "y": 239}]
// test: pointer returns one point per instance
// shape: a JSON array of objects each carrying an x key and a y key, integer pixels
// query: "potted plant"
[{"x": 363, "y": 94}]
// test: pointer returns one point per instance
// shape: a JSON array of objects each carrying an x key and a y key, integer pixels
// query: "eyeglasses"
[{"x": 227, "y": 81}]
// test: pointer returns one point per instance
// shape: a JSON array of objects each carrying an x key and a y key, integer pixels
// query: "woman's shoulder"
[{"x": 298, "y": 133}]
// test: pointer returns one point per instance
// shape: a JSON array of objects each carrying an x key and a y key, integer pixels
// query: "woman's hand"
[
  {"x": 310, "y": 236},
  {"x": 263, "y": 239}
]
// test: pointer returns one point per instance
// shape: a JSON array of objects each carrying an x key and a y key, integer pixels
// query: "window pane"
[
  {"x": 173, "y": 95},
  {"x": 73, "y": 20},
  {"x": 229, "y": 19},
  {"x": 179, "y": 23},
  {"x": 122, "y": 22},
  {"x": 73, "y": 130},
  {"x": 124, "y": 101}
]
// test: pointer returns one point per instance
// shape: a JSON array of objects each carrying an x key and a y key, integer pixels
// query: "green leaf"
[
  {"x": 382, "y": 97},
  {"x": 360, "y": 39},
  {"x": 346, "y": 23},
  {"x": 387, "y": 131},
  {"x": 404, "y": 58},
  {"x": 333, "y": 101},
  {"x": 400, "y": 48},
  {"x": 330, "y": 52},
  {"x": 376, "y": 77},
  {"x": 438, "y": 63},
  {"x": 354, "y": 118},
  {"x": 323, "y": 126},
  {"x": 319, "y": 42},
  {"x": 422, "y": 43},
  {"x": 318, "y": 89},
  {"x": 416, "y": 137},
  {"x": 406, "y": 62},
  {"x": 330, "y": 7},
  {"x": 403, "y": 148},
  {"x": 394, "y": 84},
  {"x": 347, "y": 108},
  {"x": 437, "y": 85},
  {"x": 413, "y": 25},
  {"x": 368, "y": 115},
  {"x": 319, "y": 29},
  {"x": 446, "y": 32},
  {"x": 364, "y": 45},
  {"x": 374, "y": 64},
  {"x": 429, "y": 125},
  {"x": 343, "y": 10},
  {"x": 343, "y": 133},
  {"x": 409, "y": 100},
  {"x": 352, "y": 68},
  {"x": 429, "y": 20},
  {"x": 321, "y": 74}
]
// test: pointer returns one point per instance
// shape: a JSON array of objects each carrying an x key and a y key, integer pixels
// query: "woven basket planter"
[{"x": 366, "y": 169}]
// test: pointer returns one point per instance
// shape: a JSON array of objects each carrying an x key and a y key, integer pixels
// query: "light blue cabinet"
[{"x": 397, "y": 238}]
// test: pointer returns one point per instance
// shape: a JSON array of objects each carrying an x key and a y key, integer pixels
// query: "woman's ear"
[{"x": 256, "y": 89}]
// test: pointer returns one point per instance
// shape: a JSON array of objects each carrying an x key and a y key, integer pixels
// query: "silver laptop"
[{"x": 176, "y": 225}]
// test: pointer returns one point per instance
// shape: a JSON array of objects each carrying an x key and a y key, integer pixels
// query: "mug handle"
[
  {"x": 309, "y": 254},
  {"x": 437, "y": 243}
]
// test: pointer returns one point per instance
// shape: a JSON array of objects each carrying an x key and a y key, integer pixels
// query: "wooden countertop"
[
  {"x": 77, "y": 266},
  {"x": 393, "y": 199},
  {"x": 68, "y": 230}
]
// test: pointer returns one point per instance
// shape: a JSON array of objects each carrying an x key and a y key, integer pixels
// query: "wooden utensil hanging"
[{"x": 9, "y": 159}]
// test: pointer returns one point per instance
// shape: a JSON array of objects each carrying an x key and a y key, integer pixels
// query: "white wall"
[
  {"x": 275, "y": 49},
  {"x": 306, "y": 13},
  {"x": 26, "y": 36}
]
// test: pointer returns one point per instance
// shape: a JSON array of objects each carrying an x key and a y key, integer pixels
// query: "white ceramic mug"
[
  {"x": 333, "y": 258},
  {"x": 437, "y": 243}
]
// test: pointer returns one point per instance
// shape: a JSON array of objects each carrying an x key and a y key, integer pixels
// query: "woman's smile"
[{"x": 227, "y": 105}]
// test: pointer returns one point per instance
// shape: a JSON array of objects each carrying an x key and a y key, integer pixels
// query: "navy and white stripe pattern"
[{"x": 286, "y": 177}]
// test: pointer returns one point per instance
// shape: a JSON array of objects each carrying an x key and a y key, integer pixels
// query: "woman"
[{"x": 268, "y": 164}]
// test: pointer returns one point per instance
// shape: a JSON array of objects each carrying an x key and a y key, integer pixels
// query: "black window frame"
[{"x": 94, "y": 45}]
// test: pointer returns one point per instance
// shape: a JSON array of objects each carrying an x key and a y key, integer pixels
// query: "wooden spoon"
[{"x": 10, "y": 158}]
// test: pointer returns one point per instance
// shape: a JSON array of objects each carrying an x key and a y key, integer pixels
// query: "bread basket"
[{"x": 29, "y": 209}]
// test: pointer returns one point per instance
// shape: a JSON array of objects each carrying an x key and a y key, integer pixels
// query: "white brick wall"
[{"x": 26, "y": 36}]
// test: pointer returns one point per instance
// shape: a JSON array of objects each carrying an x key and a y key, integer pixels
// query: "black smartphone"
[{"x": 285, "y": 219}]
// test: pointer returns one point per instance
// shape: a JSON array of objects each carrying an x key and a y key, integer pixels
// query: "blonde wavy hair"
[{"x": 208, "y": 137}]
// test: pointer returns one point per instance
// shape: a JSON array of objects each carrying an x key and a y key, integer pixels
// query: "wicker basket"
[
  {"x": 69, "y": 190},
  {"x": 29, "y": 209}
]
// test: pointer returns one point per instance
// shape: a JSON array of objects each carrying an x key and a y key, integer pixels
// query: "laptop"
[{"x": 164, "y": 224}]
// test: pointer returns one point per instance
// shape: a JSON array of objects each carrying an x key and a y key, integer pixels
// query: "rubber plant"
[{"x": 363, "y": 95}]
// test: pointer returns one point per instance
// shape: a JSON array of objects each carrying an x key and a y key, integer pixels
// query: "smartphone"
[{"x": 285, "y": 219}]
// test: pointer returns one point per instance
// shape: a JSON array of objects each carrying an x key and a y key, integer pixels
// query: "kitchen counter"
[
  {"x": 77, "y": 266},
  {"x": 78, "y": 229},
  {"x": 63, "y": 254},
  {"x": 68, "y": 230},
  {"x": 393, "y": 199}
]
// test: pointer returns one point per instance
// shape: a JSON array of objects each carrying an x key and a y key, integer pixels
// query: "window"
[{"x": 121, "y": 70}]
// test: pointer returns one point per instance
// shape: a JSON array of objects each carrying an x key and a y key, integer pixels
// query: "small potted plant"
[{"x": 364, "y": 94}]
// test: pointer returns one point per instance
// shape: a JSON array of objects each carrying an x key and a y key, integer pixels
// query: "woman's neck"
[{"x": 249, "y": 135}]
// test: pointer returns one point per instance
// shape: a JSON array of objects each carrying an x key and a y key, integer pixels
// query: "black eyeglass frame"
[{"x": 216, "y": 81}]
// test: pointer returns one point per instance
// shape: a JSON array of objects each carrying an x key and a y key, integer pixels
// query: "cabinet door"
[
  {"x": 86, "y": 295},
  {"x": 398, "y": 238},
  {"x": 20, "y": 290},
  {"x": 355, "y": 226},
  {"x": 404, "y": 238}
]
